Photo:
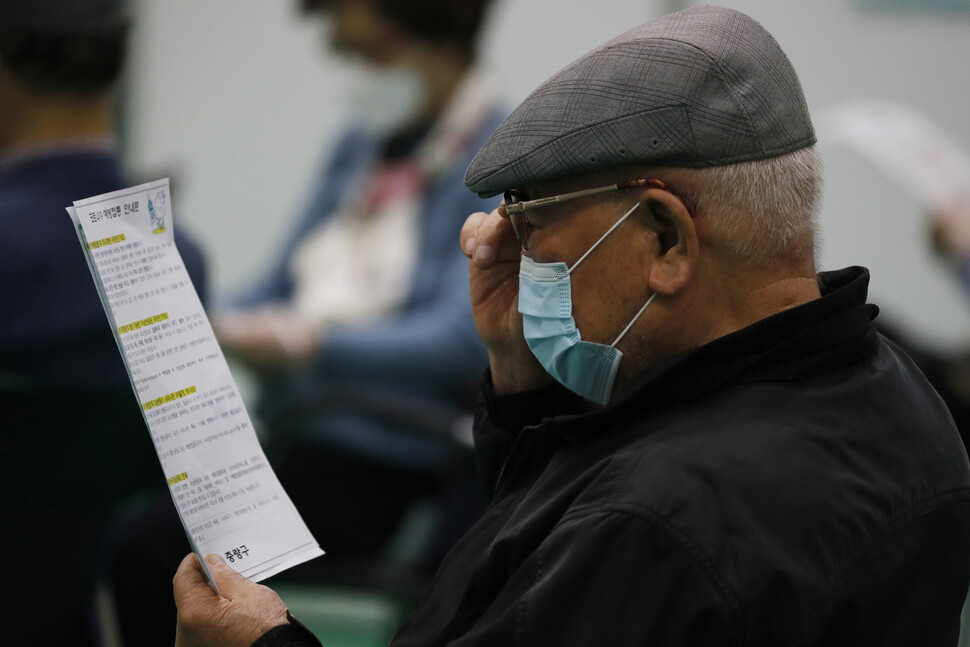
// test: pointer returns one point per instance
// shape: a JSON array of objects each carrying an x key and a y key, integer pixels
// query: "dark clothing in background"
[
  {"x": 54, "y": 331},
  {"x": 73, "y": 444},
  {"x": 797, "y": 482}
]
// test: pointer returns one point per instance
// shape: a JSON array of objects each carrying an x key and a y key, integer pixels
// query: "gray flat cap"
[
  {"x": 707, "y": 86},
  {"x": 62, "y": 16}
]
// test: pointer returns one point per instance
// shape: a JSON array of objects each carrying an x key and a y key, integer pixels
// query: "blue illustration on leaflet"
[{"x": 158, "y": 211}]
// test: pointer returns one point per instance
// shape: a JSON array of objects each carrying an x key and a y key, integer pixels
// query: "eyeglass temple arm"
[
  {"x": 553, "y": 199},
  {"x": 575, "y": 195}
]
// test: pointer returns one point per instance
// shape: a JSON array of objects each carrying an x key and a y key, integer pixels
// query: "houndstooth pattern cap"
[{"x": 706, "y": 86}]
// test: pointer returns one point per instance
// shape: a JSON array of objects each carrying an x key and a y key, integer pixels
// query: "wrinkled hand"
[
  {"x": 489, "y": 242},
  {"x": 237, "y": 618},
  {"x": 269, "y": 340}
]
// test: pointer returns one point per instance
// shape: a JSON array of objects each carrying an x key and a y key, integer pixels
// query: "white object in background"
[{"x": 916, "y": 153}]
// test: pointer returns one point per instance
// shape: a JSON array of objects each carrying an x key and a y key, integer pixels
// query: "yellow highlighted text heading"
[
  {"x": 144, "y": 322},
  {"x": 104, "y": 242},
  {"x": 178, "y": 478},
  {"x": 157, "y": 402}
]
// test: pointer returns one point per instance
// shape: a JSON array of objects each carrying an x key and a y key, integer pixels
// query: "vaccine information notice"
[{"x": 226, "y": 493}]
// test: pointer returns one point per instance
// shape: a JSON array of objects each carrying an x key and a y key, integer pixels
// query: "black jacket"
[{"x": 795, "y": 483}]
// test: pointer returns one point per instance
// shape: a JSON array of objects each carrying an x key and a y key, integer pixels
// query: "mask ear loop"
[
  {"x": 633, "y": 321},
  {"x": 608, "y": 232},
  {"x": 590, "y": 250}
]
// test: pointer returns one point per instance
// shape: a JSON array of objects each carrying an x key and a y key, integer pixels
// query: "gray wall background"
[{"x": 238, "y": 100}]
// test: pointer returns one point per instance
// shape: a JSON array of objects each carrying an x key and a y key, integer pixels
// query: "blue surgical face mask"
[
  {"x": 384, "y": 99},
  {"x": 545, "y": 301}
]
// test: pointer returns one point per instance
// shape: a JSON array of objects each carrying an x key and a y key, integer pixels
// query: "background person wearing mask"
[
  {"x": 73, "y": 444},
  {"x": 368, "y": 298}
]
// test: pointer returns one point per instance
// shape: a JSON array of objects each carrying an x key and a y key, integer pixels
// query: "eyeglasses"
[{"x": 516, "y": 207}]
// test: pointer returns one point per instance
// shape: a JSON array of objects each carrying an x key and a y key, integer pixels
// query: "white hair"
[{"x": 762, "y": 211}]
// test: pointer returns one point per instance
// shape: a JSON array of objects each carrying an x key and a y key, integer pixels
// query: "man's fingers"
[
  {"x": 496, "y": 241},
  {"x": 488, "y": 238},
  {"x": 188, "y": 582},
  {"x": 231, "y": 584},
  {"x": 242, "y": 613},
  {"x": 469, "y": 232}
]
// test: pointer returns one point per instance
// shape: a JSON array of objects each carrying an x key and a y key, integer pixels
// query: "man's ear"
[{"x": 675, "y": 256}]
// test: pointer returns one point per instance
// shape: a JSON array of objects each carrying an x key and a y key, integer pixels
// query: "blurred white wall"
[{"x": 238, "y": 99}]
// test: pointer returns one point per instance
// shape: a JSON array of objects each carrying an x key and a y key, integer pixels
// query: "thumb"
[
  {"x": 229, "y": 581},
  {"x": 189, "y": 583}
]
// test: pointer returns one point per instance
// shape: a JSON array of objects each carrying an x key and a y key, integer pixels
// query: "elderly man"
[{"x": 689, "y": 437}]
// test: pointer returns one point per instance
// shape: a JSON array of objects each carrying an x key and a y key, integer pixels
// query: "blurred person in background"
[
  {"x": 368, "y": 301},
  {"x": 361, "y": 331},
  {"x": 73, "y": 443}
]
